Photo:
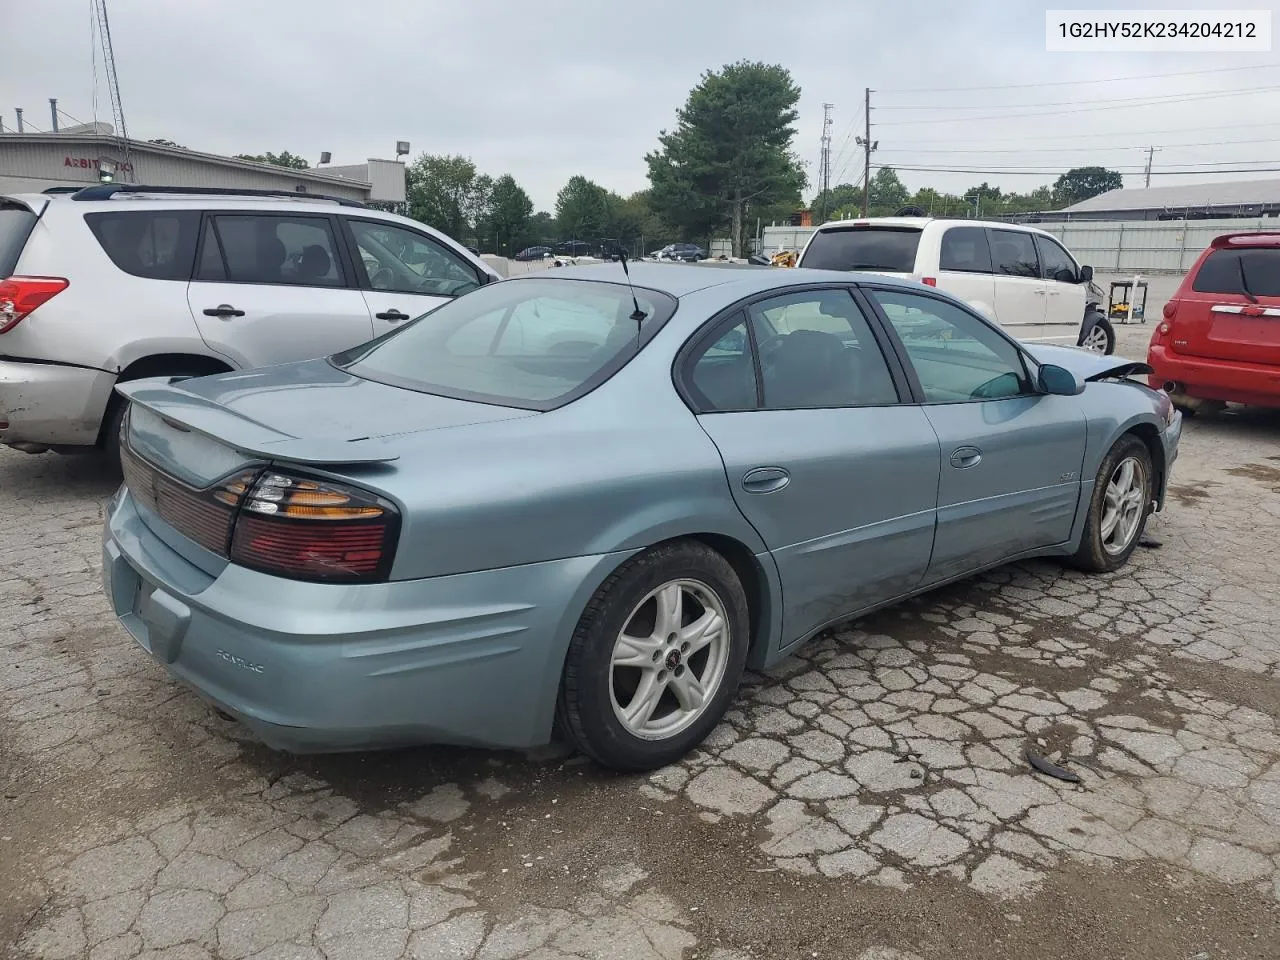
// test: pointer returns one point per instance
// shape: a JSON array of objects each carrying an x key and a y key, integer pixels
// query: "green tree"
[
  {"x": 286, "y": 159},
  {"x": 730, "y": 152},
  {"x": 583, "y": 209},
  {"x": 888, "y": 194},
  {"x": 445, "y": 192},
  {"x": 504, "y": 219},
  {"x": 842, "y": 200},
  {"x": 1081, "y": 183},
  {"x": 541, "y": 229}
]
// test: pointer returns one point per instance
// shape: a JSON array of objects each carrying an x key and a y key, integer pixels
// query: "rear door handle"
[
  {"x": 964, "y": 457},
  {"x": 765, "y": 479},
  {"x": 393, "y": 315},
  {"x": 223, "y": 310},
  {"x": 1040, "y": 293}
]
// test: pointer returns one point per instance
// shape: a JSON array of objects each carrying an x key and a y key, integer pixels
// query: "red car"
[{"x": 1219, "y": 339}]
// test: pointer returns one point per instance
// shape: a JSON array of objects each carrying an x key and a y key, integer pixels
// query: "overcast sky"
[{"x": 545, "y": 90}]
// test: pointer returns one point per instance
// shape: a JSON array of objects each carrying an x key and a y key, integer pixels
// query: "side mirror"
[
  {"x": 1086, "y": 274},
  {"x": 1059, "y": 381}
]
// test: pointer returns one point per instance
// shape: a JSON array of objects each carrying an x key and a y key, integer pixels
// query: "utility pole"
[
  {"x": 867, "y": 146},
  {"x": 18, "y": 111},
  {"x": 824, "y": 164},
  {"x": 1151, "y": 152}
]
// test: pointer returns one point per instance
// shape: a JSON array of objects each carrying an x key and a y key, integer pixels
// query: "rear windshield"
[
  {"x": 891, "y": 249},
  {"x": 16, "y": 222},
  {"x": 534, "y": 344},
  {"x": 1256, "y": 271}
]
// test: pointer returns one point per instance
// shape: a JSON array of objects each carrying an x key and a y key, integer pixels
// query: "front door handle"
[
  {"x": 964, "y": 457},
  {"x": 223, "y": 310},
  {"x": 394, "y": 315},
  {"x": 765, "y": 479}
]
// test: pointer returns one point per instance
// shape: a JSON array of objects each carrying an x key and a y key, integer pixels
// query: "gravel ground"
[{"x": 866, "y": 799}]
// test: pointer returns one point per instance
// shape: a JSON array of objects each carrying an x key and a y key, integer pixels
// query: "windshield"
[
  {"x": 535, "y": 344},
  {"x": 890, "y": 249}
]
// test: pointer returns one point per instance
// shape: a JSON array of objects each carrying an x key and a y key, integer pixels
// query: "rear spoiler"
[
  {"x": 34, "y": 202},
  {"x": 185, "y": 411},
  {"x": 1258, "y": 238}
]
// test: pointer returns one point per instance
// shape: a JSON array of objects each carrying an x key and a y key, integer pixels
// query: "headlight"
[{"x": 1167, "y": 410}]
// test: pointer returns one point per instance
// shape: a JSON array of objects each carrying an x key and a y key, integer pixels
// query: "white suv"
[
  {"x": 119, "y": 282},
  {"x": 1020, "y": 277}
]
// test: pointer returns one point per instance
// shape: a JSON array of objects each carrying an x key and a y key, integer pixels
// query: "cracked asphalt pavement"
[{"x": 869, "y": 798}]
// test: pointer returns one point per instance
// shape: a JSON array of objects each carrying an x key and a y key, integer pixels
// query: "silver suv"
[{"x": 120, "y": 282}]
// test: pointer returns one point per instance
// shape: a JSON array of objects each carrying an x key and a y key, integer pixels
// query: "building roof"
[{"x": 1181, "y": 196}]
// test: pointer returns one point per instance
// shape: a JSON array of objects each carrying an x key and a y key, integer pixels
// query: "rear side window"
[
  {"x": 155, "y": 244},
  {"x": 16, "y": 222},
  {"x": 242, "y": 248},
  {"x": 965, "y": 250},
  {"x": 1235, "y": 271},
  {"x": 891, "y": 249},
  {"x": 1014, "y": 254}
]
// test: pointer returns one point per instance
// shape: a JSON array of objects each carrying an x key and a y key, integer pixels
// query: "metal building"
[
  {"x": 34, "y": 162},
  {"x": 1182, "y": 201}
]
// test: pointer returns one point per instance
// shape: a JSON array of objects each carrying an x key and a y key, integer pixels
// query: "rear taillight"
[
  {"x": 1170, "y": 309},
  {"x": 929, "y": 281},
  {"x": 20, "y": 295},
  {"x": 311, "y": 529}
]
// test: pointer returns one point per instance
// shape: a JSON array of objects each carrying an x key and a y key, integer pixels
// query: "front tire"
[
  {"x": 1097, "y": 335},
  {"x": 656, "y": 658},
  {"x": 1119, "y": 508}
]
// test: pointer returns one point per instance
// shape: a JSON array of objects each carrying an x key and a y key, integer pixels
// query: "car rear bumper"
[
  {"x": 1209, "y": 379},
  {"x": 470, "y": 659},
  {"x": 52, "y": 404}
]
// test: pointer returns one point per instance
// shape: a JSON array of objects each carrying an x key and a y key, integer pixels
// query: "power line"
[
  {"x": 1070, "y": 83},
  {"x": 1022, "y": 138},
  {"x": 1016, "y": 150},
  {"x": 1149, "y": 102},
  {"x": 1025, "y": 171},
  {"x": 1080, "y": 103}
]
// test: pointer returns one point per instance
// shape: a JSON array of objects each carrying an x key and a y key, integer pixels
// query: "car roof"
[
  {"x": 919, "y": 223},
  {"x": 678, "y": 280}
]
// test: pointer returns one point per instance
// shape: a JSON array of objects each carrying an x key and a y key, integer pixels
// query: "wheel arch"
[
  {"x": 1150, "y": 436},
  {"x": 159, "y": 365}
]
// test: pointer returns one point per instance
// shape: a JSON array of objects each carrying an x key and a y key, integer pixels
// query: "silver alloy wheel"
[
  {"x": 669, "y": 659},
  {"x": 1122, "y": 505},
  {"x": 1095, "y": 339}
]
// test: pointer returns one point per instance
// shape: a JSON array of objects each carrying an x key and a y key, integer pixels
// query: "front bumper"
[
  {"x": 470, "y": 659},
  {"x": 52, "y": 404},
  {"x": 1169, "y": 440}
]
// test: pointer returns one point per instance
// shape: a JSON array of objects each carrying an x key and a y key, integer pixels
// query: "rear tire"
[
  {"x": 1118, "y": 509},
  {"x": 1097, "y": 335},
  {"x": 656, "y": 658}
]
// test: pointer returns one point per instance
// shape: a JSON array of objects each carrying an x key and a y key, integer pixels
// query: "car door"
[
  {"x": 404, "y": 273},
  {"x": 837, "y": 474},
  {"x": 1021, "y": 295},
  {"x": 270, "y": 288},
  {"x": 1065, "y": 293},
  {"x": 1011, "y": 456},
  {"x": 964, "y": 268}
]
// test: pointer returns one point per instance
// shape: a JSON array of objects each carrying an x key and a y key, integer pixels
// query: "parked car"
[
  {"x": 1019, "y": 276},
  {"x": 535, "y": 253},
  {"x": 120, "y": 282},
  {"x": 574, "y": 248},
  {"x": 1219, "y": 338},
  {"x": 334, "y": 552},
  {"x": 687, "y": 252}
]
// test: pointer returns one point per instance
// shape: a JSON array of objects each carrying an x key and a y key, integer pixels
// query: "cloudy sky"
[{"x": 549, "y": 89}]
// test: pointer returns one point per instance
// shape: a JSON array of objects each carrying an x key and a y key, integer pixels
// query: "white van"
[{"x": 1021, "y": 277}]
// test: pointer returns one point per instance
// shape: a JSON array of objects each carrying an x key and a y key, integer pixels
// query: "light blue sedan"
[{"x": 561, "y": 502}]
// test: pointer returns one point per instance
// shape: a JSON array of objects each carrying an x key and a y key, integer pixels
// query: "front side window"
[
  {"x": 403, "y": 261},
  {"x": 957, "y": 357},
  {"x": 157, "y": 245},
  {"x": 249, "y": 248},
  {"x": 1013, "y": 253},
  {"x": 965, "y": 250},
  {"x": 817, "y": 350},
  {"x": 535, "y": 343},
  {"x": 886, "y": 249},
  {"x": 1055, "y": 263}
]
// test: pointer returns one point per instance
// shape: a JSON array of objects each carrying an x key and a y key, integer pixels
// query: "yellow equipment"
[{"x": 784, "y": 258}]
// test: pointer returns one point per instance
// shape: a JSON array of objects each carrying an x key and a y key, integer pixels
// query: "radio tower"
[
  {"x": 113, "y": 88},
  {"x": 824, "y": 164}
]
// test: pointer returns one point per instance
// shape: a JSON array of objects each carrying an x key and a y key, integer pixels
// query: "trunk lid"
[{"x": 1229, "y": 307}]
